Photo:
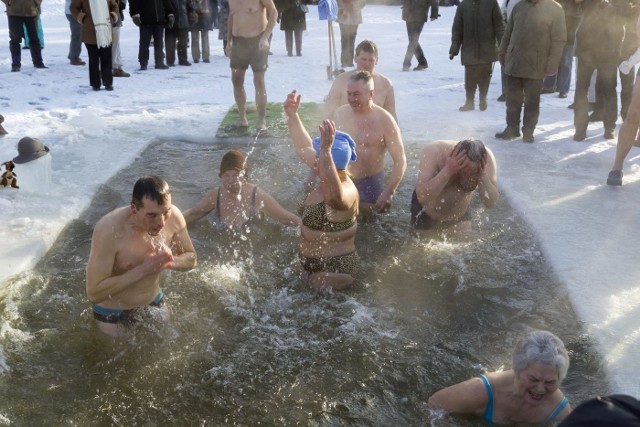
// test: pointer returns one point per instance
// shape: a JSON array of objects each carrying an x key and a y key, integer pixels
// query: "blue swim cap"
[{"x": 343, "y": 150}]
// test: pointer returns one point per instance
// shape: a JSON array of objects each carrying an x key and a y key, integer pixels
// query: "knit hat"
[
  {"x": 343, "y": 150},
  {"x": 233, "y": 160},
  {"x": 30, "y": 149}
]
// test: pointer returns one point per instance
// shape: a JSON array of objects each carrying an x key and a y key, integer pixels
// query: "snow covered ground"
[{"x": 590, "y": 232}]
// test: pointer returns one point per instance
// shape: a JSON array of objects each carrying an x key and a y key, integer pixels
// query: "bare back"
[{"x": 249, "y": 17}]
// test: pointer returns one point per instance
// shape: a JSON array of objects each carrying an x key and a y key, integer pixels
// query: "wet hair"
[
  {"x": 365, "y": 77},
  {"x": 541, "y": 347},
  {"x": 367, "y": 46},
  {"x": 233, "y": 160},
  {"x": 474, "y": 148},
  {"x": 153, "y": 187}
]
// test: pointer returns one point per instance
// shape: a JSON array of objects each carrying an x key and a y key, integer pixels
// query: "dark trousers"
[
  {"x": 522, "y": 91},
  {"x": 606, "y": 81},
  {"x": 414, "y": 29},
  {"x": 99, "y": 65},
  {"x": 348, "y": 35},
  {"x": 146, "y": 32},
  {"x": 561, "y": 81},
  {"x": 288, "y": 40},
  {"x": 477, "y": 76},
  {"x": 171, "y": 36},
  {"x": 15, "y": 38}
]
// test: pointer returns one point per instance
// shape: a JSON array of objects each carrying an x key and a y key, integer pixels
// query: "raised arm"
[
  {"x": 393, "y": 142},
  {"x": 488, "y": 185},
  {"x": 204, "y": 206},
  {"x": 299, "y": 135},
  {"x": 330, "y": 183},
  {"x": 274, "y": 210},
  {"x": 432, "y": 177},
  {"x": 184, "y": 254}
]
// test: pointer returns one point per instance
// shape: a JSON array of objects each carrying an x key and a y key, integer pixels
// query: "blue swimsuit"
[{"x": 488, "y": 413}]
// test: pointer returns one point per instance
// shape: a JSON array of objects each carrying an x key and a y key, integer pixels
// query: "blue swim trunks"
[
  {"x": 370, "y": 187},
  {"x": 110, "y": 315}
]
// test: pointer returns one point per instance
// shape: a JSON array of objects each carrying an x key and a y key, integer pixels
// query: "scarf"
[{"x": 101, "y": 21}]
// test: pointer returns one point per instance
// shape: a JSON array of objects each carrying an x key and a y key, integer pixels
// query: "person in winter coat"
[
  {"x": 178, "y": 31},
  {"x": 598, "y": 48},
  {"x": 75, "y": 41},
  {"x": 477, "y": 28},
  {"x": 151, "y": 16},
  {"x": 223, "y": 18},
  {"x": 349, "y": 17},
  {"x": 200, "y": 31},
  {"x": 293, "y": 22},
  {"x": 97, "y": 18},
  {"x": 25, "y": 12},
  {"x": 530, "y": 49},
  {"x": 414, "y": 13},
  {"x": 116, "y": 58},
  {"x": 562, "y": 80}
]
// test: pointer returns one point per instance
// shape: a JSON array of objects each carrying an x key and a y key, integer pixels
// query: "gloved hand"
[
  {"x": 114, "y": 18},
  {"x": 193, "y": 17},
  {"x": 451, "y": 56},
  {"x": 171, "y": 20},
  {"x": 136, "y": 19}
]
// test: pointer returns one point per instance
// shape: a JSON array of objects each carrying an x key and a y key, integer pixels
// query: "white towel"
[{"x": 101, "y": 21}]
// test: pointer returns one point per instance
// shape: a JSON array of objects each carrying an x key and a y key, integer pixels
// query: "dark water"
[{"x": 250, "y": 344}]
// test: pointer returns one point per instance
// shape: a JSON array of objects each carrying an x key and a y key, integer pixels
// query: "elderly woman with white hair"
[{"x": 527, "y": 394}]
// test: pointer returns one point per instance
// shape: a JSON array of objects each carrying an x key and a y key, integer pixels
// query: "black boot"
[
  {"x": 468, "y": 106},
  {"x": 509, "y": 133}
]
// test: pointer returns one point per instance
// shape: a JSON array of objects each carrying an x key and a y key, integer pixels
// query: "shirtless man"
[
  {"x": 130, "y": 246},
  {"x": 248, "y": 29},
  {"x": 375, "y": 131},
  {"x": 366, "y": 60},
  {"x": 449, "y": 174}
]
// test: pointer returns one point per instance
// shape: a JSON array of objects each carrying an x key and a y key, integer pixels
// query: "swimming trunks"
[
  {"x": 246, "y": 51},
  {"x": 488, "y": 412},
  {"x": 315, "y": 218},
  {"x": 345, "y": 264},
  {"x": 422, "y": 221},
  {"x": 111, "y": 315},
  {"x": 254, "y": 216},
  {"x": 370, "y": 187}
]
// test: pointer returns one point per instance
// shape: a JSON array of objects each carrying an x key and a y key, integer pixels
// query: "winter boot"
[{"x": 468, "y": 106}]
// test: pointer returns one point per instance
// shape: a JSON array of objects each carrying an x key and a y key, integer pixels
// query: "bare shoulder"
[
  {"x": 113, "y": 220},
  {"x": 467, "y": 397},
  {"x": 381, "y": 79},
  {"x": 439, "y": 147}
]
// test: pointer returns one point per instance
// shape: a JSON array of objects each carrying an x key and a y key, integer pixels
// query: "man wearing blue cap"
[
  {"x": 375, "y": 131},
  {"x": 449, "y": 173}
]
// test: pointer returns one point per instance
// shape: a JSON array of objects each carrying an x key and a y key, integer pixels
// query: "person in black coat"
[
  {"x": 178, "y": 31},
  {"x": 151, "y": 16},
  {"x": 292, "y": 15}
]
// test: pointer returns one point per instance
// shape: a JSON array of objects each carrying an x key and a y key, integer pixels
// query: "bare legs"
[{"x": 237, "y": 78}]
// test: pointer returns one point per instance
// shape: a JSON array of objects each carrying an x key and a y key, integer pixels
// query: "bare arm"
[
  {"x": 468, "y": 397},
  {"x": 184, "y": 254},
  {"x": 330, "y": 182},
  {"x": 299, "y": 136},
  {"x": 272, "y": 16},
  {"x": 488, "y": 185},
  {"x": 274, "y": 210},
  {"x": 393, "y": 142},
  {"x": 204, "y": 206},
  {"x": 101, "y": 284},
  {"x": 432, "y": 178},
  {"x": 332, "y": 102},
  {"x": 390, "y": 103}
]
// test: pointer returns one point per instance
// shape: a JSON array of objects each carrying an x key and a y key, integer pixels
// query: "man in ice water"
[
  {"x": 248, "y": 30},
  {"x": 449, "y": 173},
  {"x": 375, "y": 131},
  {"x": 130, "y": 247},
  {"x": 366, "y": 60}
]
